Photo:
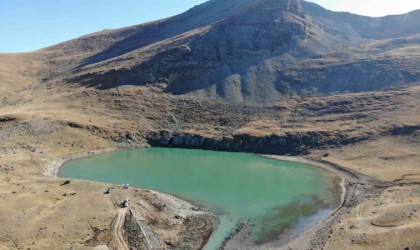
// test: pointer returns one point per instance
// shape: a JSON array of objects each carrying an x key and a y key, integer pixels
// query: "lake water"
[{"x": 273, "y": 195}]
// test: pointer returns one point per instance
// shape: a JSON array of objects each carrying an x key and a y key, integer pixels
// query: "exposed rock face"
[
  {"x": 405, "y": 130},
  {"x": 288, "y": 144}
]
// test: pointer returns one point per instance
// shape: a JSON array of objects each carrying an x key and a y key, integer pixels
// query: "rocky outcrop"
[
  {"x": 405, "y": 129},
  {"x": 4, "y": 119},
  {"x": 288, "y": 144}
]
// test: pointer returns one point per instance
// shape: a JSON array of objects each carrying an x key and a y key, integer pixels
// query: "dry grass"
[
  {"x": 391, "y": 221},
  {"x": 260, "y": 128},
  {"x": 393, "y": 159},
  {"x": 41, "y": 134}
]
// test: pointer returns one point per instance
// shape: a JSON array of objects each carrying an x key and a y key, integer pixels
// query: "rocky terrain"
[
  {"x": 248, "y": 52},
  {"x": 268, "y": 76}
]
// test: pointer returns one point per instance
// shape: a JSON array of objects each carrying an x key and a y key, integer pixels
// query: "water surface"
[{"x": 273, "y": 195}]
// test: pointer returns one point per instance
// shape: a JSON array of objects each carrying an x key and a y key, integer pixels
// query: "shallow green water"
[{"x": 274, "y": 195}]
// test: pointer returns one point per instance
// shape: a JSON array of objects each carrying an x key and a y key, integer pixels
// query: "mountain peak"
[
  {"x": 216, "y": 10},
  {"x": 244, "y": 50}
]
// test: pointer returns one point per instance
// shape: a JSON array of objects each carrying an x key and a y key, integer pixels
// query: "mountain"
[
  {"x": 387, "y": 27},
  {"x": 247, "y": 51}
]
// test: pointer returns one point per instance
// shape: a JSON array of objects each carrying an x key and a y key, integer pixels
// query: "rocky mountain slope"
[{"x": 247, "y": 51}]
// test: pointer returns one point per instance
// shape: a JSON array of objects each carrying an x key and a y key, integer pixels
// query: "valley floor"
[{"x": 39, "y": 127}]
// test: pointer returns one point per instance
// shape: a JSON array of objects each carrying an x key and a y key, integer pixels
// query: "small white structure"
[{"x": 126, "y": 203}]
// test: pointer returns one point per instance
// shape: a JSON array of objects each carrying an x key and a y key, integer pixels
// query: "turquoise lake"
[{"x": 274, "y": 196}]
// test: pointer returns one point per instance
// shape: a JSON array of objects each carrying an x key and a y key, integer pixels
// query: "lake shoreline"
[
  {"x": 355, "y": 187},
  {"x": 240, "y": 236},
  {"x": 349, "y": 186},
  {"x": 52, "y": 168}
]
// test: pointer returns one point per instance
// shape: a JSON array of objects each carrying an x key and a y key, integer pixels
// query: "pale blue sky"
[{"x": 27, "y": 25}]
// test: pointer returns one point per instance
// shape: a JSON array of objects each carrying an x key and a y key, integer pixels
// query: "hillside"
[{"x": 247, "y": 51}]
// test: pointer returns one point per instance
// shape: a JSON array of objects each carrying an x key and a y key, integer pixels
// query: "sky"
[{"x": 27, "y": 25}]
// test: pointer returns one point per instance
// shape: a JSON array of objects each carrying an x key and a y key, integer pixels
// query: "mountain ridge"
[{"x": 243, "y": 51}]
